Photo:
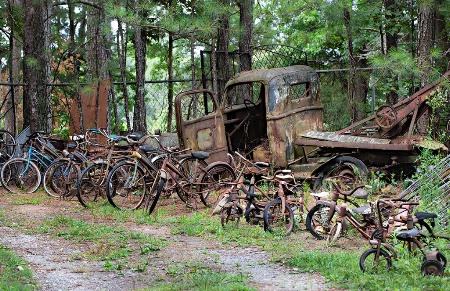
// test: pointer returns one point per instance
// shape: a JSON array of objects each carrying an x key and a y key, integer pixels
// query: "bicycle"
[
  {"x": 327, "y": 219},
  {"x": 379, "y": 256},
  {"x": 23, "y": 175},
  {"x": 92, "y": 184},
  {"x": 61, "y": 177},
  {"x": 279, "y": 213},
  {"x": 199, "y": 184},
  {"x": 230, "y": 206},
  {"x": 7, "y": 146}
]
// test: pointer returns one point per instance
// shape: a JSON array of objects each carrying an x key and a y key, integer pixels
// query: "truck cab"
[{"x": 261, "y": 114}]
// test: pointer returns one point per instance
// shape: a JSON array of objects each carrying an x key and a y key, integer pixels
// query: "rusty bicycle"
[
  {"x": 379, "y": 256},
  {"x": 252, "y": 202},
  {"x": 139, "y": 180}
]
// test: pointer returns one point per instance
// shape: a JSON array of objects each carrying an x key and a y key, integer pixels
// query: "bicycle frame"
[
  {"x": 170, "y": 171},
  {"x": 41, "y": 158}
]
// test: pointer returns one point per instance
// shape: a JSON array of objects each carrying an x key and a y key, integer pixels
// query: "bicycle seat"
[
  {"x": 146, "y": 148},
  {"x": 284, "y": 177},
  {"x": 136, "y": 135},
  {"x": 200, "y": 155},
  {"x": 78, "y": 137},
  {"x": 281, "y": 175},
  {"x": 424, "y": 215},
  {"x": 360, "y": 193},
  {"x": 71, "y": 145},
  {"x": 365, "y": 209},
  {"x": 407, "y": 233}
]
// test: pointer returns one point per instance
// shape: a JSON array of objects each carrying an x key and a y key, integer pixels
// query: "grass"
[
  {"x": 14, "y": 274},
  {"x": 342, "y": 268},
  {"x": 122, "y": 249},
  {"x": 111, "y": 244},
  {"x": 205, "y": 280}
]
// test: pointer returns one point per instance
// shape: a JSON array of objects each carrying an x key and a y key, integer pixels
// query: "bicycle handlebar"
[
  {"x": 258, "y": 165},
  {"x": 346, "y": 193}
]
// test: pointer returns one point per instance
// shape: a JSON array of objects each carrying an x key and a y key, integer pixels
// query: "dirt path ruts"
[{"x": 58, "y": 264}]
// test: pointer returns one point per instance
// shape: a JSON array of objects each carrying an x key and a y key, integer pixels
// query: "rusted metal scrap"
[{"x": 282, "y": 108}]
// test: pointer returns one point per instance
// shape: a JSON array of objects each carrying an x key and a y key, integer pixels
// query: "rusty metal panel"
[
  {"x": 332, "y": 136},
  {"x": 353, "y": 145},
  {"x": 200, "y": 125},
  {"x": 293, "y": 107},
  {"x": 91, "y": 117}
]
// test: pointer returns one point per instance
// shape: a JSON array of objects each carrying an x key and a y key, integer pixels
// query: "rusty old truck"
[{"x": 276, "y": 115}]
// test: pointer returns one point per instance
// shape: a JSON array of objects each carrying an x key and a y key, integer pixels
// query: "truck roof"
[{"x": 265, "y": 75}]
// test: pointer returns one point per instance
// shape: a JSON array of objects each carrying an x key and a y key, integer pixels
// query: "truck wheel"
[{"x": 347, "y": 170}]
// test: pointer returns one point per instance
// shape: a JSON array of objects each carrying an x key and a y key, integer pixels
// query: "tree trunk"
[
  {"x": 122, "y": 53},
  {"x": 391, "y": 42},
  {"x": 358, "y": 83},
  {"x": 170, "y": 84},
  {"x": 223, "y": 66},
  {"x": 76, "y": 72},
  {"x": 14, "y": 73},
  {"x": 37, "y": 108},
  {"x": 96, "y": 55},
  {"x": 245, "y": 40},
  {"x": 425, "y": 41},
  {"x": 215, "y": 84},
  {"x": 139, "y": 116}
]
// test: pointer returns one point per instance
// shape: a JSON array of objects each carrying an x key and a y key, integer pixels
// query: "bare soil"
[{"x": 60, "y": 264}]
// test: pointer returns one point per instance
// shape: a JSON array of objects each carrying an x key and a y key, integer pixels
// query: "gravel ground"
[{"x": 58, "y": 264}]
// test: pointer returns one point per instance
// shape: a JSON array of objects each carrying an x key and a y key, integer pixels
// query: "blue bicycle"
[{"x": 23, "y": 175}]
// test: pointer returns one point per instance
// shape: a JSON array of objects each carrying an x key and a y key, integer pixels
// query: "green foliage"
[
  {"x": 337, "y": 112},
  {"x": 25, "y": 199},
  {"x": 14, "y": 273},
  {"x": 439, "y": 101},
  {"x": 395, "y": 72}
]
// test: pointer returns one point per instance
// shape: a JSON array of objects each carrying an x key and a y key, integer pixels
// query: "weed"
[
  {"x": 25, "y": 199},
  {"x": 205, "y": 279},
  {"x": 14, "y": 274}
]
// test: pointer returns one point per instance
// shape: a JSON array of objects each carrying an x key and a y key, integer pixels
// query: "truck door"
[{"x": 200, "y": 124}]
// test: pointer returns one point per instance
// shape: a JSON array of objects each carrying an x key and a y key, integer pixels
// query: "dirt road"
[{"x": 61, "y": 264}]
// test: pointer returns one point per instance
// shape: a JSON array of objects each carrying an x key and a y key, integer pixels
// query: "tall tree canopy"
[{"x": 389, "y": 47}]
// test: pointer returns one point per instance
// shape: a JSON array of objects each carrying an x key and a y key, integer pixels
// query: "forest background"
[{"x": 368, "y": 53}]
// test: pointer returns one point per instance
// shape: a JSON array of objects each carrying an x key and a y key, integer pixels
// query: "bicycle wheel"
[
  {"x": 7, "y": 146},
  {"x": 154, "y": 194},
  {"x": 432, "y": 268},
  {"x": 253, "y": 215},
  {"x": 60, "y": 179},
  {"x": 92, "y": 183},
  {"x": 214, "y": 182},
  {"x": 231, "y": 214},
  {"x": 369, "y": 263},
  {"x": 277, "y": 220},
  {"x": 19, "y": 175},
  {"x": 126, "y": 185},
  {"x": 335, "y": 233},
  {"x": 317, "y": 221},
  {"x": 189, "y": 166}
]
